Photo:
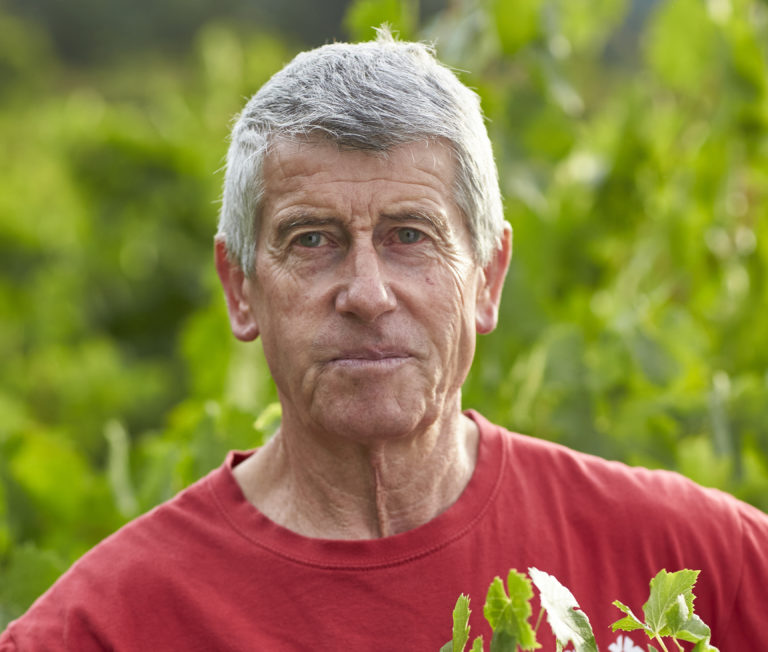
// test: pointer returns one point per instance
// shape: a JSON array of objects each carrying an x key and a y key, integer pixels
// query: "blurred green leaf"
[
  {"x": 364, "y": 15},
  {"x": 518, "y": 24},
  {"x": 26, "y": 573},
  {"x": 689, "y": 64}
]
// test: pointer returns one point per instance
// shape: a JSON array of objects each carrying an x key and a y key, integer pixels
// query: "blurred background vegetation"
[{"x": 632, "y": 140}]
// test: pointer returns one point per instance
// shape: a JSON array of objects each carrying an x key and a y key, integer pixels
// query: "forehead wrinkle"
[
  {"x": 284, "y": 157},
  {"x": 327, "y": 198}
]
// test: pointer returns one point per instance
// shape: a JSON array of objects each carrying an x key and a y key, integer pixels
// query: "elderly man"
[{"x": 362, "y": 240}]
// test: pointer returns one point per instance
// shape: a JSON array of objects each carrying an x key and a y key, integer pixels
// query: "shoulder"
[
  {"x": 602, "y": 514},
  {"x": 576, "y": 476},
  {"x": 659, "y": 514},
  {"x": 104, "y": 592},
  {"x": 156, "y": 535}
]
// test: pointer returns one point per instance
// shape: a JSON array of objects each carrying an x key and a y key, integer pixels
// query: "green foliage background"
[{"x": 632, "y": 141}]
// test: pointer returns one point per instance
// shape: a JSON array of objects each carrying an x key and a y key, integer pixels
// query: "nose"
[{"x": 365, "y": 292}]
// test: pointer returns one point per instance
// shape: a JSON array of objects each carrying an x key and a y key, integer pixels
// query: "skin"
[{"x": 367, "y": 299}]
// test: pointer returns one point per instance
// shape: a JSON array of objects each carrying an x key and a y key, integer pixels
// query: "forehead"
[{"x": 320, "y": 173}]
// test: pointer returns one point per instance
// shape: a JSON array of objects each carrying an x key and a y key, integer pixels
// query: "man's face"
[{"x": 365, "y": 291}]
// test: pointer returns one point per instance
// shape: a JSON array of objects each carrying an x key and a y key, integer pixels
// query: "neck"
[{"x": 340, "y": 489}]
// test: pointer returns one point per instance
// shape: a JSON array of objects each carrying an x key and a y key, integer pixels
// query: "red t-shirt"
[{"x": 207, "y": 571}]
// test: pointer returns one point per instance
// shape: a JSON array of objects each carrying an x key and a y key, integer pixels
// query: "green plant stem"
[
  {"x": 538, "y": 620},
  {"x": 663, "y": 647}
]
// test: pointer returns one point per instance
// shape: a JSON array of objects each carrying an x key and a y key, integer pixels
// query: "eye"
[
  {"x": 310, "y": 239},
  {"x": 408, "y": 235}
]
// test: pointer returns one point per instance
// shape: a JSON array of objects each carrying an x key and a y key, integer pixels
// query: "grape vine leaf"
[
  {"x": 503, "y": 641},
  {"x": 669, "y": 611},
  {"x": 460, "y": 626},
  {"x": 568, "y": 622},
  {"x": 508, "y": 614},
  {"x": 669, "y": 593}
]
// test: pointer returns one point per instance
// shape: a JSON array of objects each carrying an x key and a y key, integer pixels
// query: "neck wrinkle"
[
  {"x": 368, "y": 491},
  {"x": 382, "y": 516}
]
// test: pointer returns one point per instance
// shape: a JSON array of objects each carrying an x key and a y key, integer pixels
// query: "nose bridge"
[
  {"x": 366, "y": 290},
  {"x": 364, "y": 261}
]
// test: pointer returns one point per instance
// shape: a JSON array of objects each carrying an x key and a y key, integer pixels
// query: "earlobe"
[
  {"x": 242, "y": 320},
  {"x": 492, "y": 283}
]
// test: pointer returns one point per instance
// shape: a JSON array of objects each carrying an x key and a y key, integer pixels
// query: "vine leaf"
[
  {"x": 669, "y": 611},
  {"x": 568, "y": 622},
  {"x": 630, "y": 622},
  {"x": 503, "y": 641},
  {"x": 670, "y": 593},
  {"x": 460, "y": 626},
  {"x": 508, "y": 614}
]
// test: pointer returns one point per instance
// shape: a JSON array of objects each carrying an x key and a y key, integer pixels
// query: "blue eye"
[
  {"x": 409, "y": 236},
  {"x": 310, "y": 239}
]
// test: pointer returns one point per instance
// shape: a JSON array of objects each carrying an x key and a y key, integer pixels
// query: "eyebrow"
[{"x": 435, "y": 220}]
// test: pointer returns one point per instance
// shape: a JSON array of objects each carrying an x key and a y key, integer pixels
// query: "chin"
[{"x": 376, "y": 419}]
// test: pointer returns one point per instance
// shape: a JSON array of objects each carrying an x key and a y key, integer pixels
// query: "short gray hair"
[{"x": 365, "y": 96}]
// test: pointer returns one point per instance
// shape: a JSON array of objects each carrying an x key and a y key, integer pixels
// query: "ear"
[
  {"x": 235, "y": 283},
  {"x": 492, "y": 283}
]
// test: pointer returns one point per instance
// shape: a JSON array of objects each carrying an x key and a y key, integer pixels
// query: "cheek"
[
  {"x": 459, "y": 315},
  {"x": 281, "y": 294},
  {"x": 450, "y": 312}
]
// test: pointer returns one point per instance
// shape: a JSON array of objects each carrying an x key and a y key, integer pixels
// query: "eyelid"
[
  {"x": 407, "y": 227},
  {"x": 290, "y": 229},
  {"x": 420, "y": 222},
  {"x": 422, "y": 226}
]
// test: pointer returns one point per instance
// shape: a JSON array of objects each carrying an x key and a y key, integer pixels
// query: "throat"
[
  {"x": 382, "y": 515},
  {"x": 370, "y": 492},
  {"x": 407, "y": 494}
]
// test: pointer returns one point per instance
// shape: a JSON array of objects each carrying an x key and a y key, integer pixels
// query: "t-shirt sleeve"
[
  {"x": 6, "y": 642},
  {"x": 746, "y": 624},
  {"x": 46, "y": 627}
]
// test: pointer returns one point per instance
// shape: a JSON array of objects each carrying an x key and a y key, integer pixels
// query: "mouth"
[{"x": 370, "y": 358}]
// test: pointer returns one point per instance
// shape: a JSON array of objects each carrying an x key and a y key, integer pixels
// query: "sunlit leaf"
[
  {"x": 568, "y": 622},
  {"x": 508, "y": 613}
]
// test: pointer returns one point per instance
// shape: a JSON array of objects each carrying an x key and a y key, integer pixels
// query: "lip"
[{"x": 370, "y": 358}]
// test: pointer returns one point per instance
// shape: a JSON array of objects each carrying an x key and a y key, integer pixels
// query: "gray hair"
[{"x": 365, "y": 96}]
